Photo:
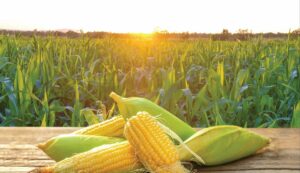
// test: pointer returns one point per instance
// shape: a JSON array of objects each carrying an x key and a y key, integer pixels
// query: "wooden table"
[{"x": 18, "y": 153}]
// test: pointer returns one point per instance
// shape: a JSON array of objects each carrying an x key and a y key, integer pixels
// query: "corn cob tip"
[
  {"x": 269, "y": 141},
  {"x": 115, "y": 97},
  {"x": 44, "y": 145},
  {"x": 41, "y": 146},
  {"x": 42, "y": 170}
]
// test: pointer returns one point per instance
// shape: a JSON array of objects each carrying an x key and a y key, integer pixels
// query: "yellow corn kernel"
[
  {"x": 113, "y": 158},
  {"x": 153, "y": 147},
  {"x": 113, "y": 127}
]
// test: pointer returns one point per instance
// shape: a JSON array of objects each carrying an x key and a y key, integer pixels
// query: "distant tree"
[
  {"x": 295, "y": 34},
  {"x": 225, "y": 32},
  {"x": 225, "y": 35},
  {"x": 243, "y": 31},
  {"x": 72, "y": 34},
  {"x": 243, "y": 34},
  {"x": 296, "y": 31}
]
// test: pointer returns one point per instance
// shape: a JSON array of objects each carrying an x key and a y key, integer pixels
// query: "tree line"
[{"x": 242, "y": 34}]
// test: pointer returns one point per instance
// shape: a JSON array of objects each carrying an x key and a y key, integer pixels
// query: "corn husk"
[
  {"x": 131, "y": 106},
  {"x": 63, "y": 146},
  {"x": 222, "y": 144}
]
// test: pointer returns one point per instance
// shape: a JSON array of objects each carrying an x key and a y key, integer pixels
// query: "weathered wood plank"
[
  {"x": 19, "y": 154},
  {"x": 30, "y": 135},
  {"x": 23, "y": 151},
  {"x": 15, "y": 169}
]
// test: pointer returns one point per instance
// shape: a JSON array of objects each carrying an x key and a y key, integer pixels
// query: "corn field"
[{"x": 59, "y": 81}]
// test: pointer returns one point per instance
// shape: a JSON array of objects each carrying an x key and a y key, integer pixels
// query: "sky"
[{"x": 146, "y": 16}]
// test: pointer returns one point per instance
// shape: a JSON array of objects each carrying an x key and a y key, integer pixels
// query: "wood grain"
[{"x": 19, "y": 154}]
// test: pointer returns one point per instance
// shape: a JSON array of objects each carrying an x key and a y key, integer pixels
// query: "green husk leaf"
[
  {"x": 63, "y": 146},
  {"x": 130, "y": 106},
  {"x": 222, "y": 144}
]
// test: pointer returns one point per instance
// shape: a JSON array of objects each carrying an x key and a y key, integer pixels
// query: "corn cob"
[
  {"x": 112, "y": 158},
  {"x": 130, "y": 106},
  {"x": 63, "y": 146},
  {"x": 154, "y": 148},
  {"x": 222, "y": 144},
  {"x": 113, "y": 127}
]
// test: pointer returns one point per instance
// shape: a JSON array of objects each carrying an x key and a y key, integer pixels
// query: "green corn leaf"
[
  {"x": 296, "y": 117},
  {"x": 75, "y": 120},
  {"x": 44, "y": 121},
  {"x": 89, "y": 116}
]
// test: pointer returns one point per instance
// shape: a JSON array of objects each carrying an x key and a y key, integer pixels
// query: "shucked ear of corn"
[
  {"x": 112, "y": 158},
  {"x": 153, "y": 147},
  {"x": 113, "y": 127},
  {"x": 130, "y": 106},
  {"x": 222, "y": 144},
  {"x": 63, "y": 146}
]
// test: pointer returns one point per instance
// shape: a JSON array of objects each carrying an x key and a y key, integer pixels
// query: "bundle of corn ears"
[{"x": 149, "y": 145}]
